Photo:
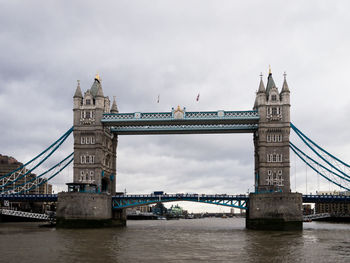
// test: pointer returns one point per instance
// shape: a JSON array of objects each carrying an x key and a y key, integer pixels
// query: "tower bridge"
[{"x": 97, "y": 125}]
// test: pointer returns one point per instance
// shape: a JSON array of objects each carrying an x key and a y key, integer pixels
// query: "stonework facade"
[
  {"x": 271, "y": 140},
  {"x": 94, "y": 145}
]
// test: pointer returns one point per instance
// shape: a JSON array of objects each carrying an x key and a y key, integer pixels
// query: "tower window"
[
  {"x": 87, "y": 159},
  {"x": 274, "y": 137},
  {"x": 274, "y": 158},
  {"x": 88, "y": 102},
  {"x": 273, "y": 97},
  {"x": 91, "y": 176},
  {"x": 274, "y": 111},
  {"x": 87, "y": 140}
]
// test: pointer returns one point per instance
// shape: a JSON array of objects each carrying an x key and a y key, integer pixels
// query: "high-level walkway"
[{"x": 182, "y": 122}]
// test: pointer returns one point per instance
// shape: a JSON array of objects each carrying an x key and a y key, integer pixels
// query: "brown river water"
[{"x": 197, "y": 240}]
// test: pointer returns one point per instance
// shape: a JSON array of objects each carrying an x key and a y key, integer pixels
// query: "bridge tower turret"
[
  {"x": 273, "y": 206},
  {"x": 88, "y": 203},
  {"x": 94, "y": 145},
  {"x": 271, "y": 140}
]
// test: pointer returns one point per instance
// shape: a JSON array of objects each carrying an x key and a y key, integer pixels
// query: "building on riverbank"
[{"x": 333, "y": 208}]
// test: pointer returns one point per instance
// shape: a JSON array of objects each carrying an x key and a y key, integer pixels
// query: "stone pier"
[
  {"x": 83, "y": 210},
  {"x": 275, "y": 211}
]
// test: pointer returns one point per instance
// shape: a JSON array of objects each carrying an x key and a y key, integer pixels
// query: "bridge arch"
[{"x": 128, "y": 201}]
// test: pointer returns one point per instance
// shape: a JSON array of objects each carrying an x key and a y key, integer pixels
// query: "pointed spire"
[
  {"x": 78, "y": 93},
  {"x": 261, "y": 85},
  {"x": 96, "y": 88},
  {"x": 99, "y": 91},
  {"x": 270, "y": 82},
  {"x": 285, "y": 85},
  {"x": 114, "y": 108},
  {"x": 255, "y": 104}
]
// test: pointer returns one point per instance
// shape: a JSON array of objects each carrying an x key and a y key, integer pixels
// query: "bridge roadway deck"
[
  {"x": 185, "y": 123},
  {"x": 173, "y": 197}
]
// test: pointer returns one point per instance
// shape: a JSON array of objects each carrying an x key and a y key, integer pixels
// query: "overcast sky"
[{"x": 176, "y": 49}]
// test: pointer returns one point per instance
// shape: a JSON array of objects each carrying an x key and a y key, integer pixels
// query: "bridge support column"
[
  {"x": 84, "y": 210},
  {"x": 275, "y": 211}
]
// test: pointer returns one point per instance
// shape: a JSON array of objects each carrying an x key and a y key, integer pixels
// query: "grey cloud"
[{"x": 175, "y": 49}]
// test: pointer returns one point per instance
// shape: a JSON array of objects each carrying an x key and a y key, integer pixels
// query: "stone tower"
[
  {"x": 271, "y": 140},
  {"x": 94, "y": 145},
  {"x": 88, "y": 202},
  {"x": 273, "y": 206}
]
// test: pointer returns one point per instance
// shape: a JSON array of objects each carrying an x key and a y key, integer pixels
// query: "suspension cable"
[
  {"x": 313, "y": 168},
  {"x": 52, "y": 176},
  {"x": 296, "y": 130},
  {"x": 63, "y": 137},
  {"x": 30, "y": 170},
  {"x": 317, "y": 163},
  {"x": 301, "y": 136},
  {"x": 35, "y": 178}
]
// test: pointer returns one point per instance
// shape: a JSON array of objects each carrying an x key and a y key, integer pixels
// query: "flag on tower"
[
  {"x": 197, "y": 99},
  {"x": 158, "y": 99}
]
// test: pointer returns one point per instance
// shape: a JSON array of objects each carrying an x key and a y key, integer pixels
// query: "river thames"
[{"x": 197, "y": 240}]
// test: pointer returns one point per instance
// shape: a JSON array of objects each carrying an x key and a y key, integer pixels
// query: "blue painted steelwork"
[
  {"x": 29, "y": 198},
  {"x": 186, "y": 122},
  {"x": 169, "y": 116},
  {"x": 293, "y": 147},
  {"x": 46, "y": 180},
  {"x": 326, "y": 198},
  {"x": 304, "y": 138},
  {"x": 61, "y": 140},
  {"x": 299, "y": 133},
  {"x": 313, "y": 168},
  {"x": 32, "y": 169},
  {"x": 183, "y": 129},
  {"x": 39, "y": 176},
  {"x": 125, "y": 201}
]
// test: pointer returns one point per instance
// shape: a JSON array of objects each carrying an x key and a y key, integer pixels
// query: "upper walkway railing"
[{"x": 180, "y": 121}]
